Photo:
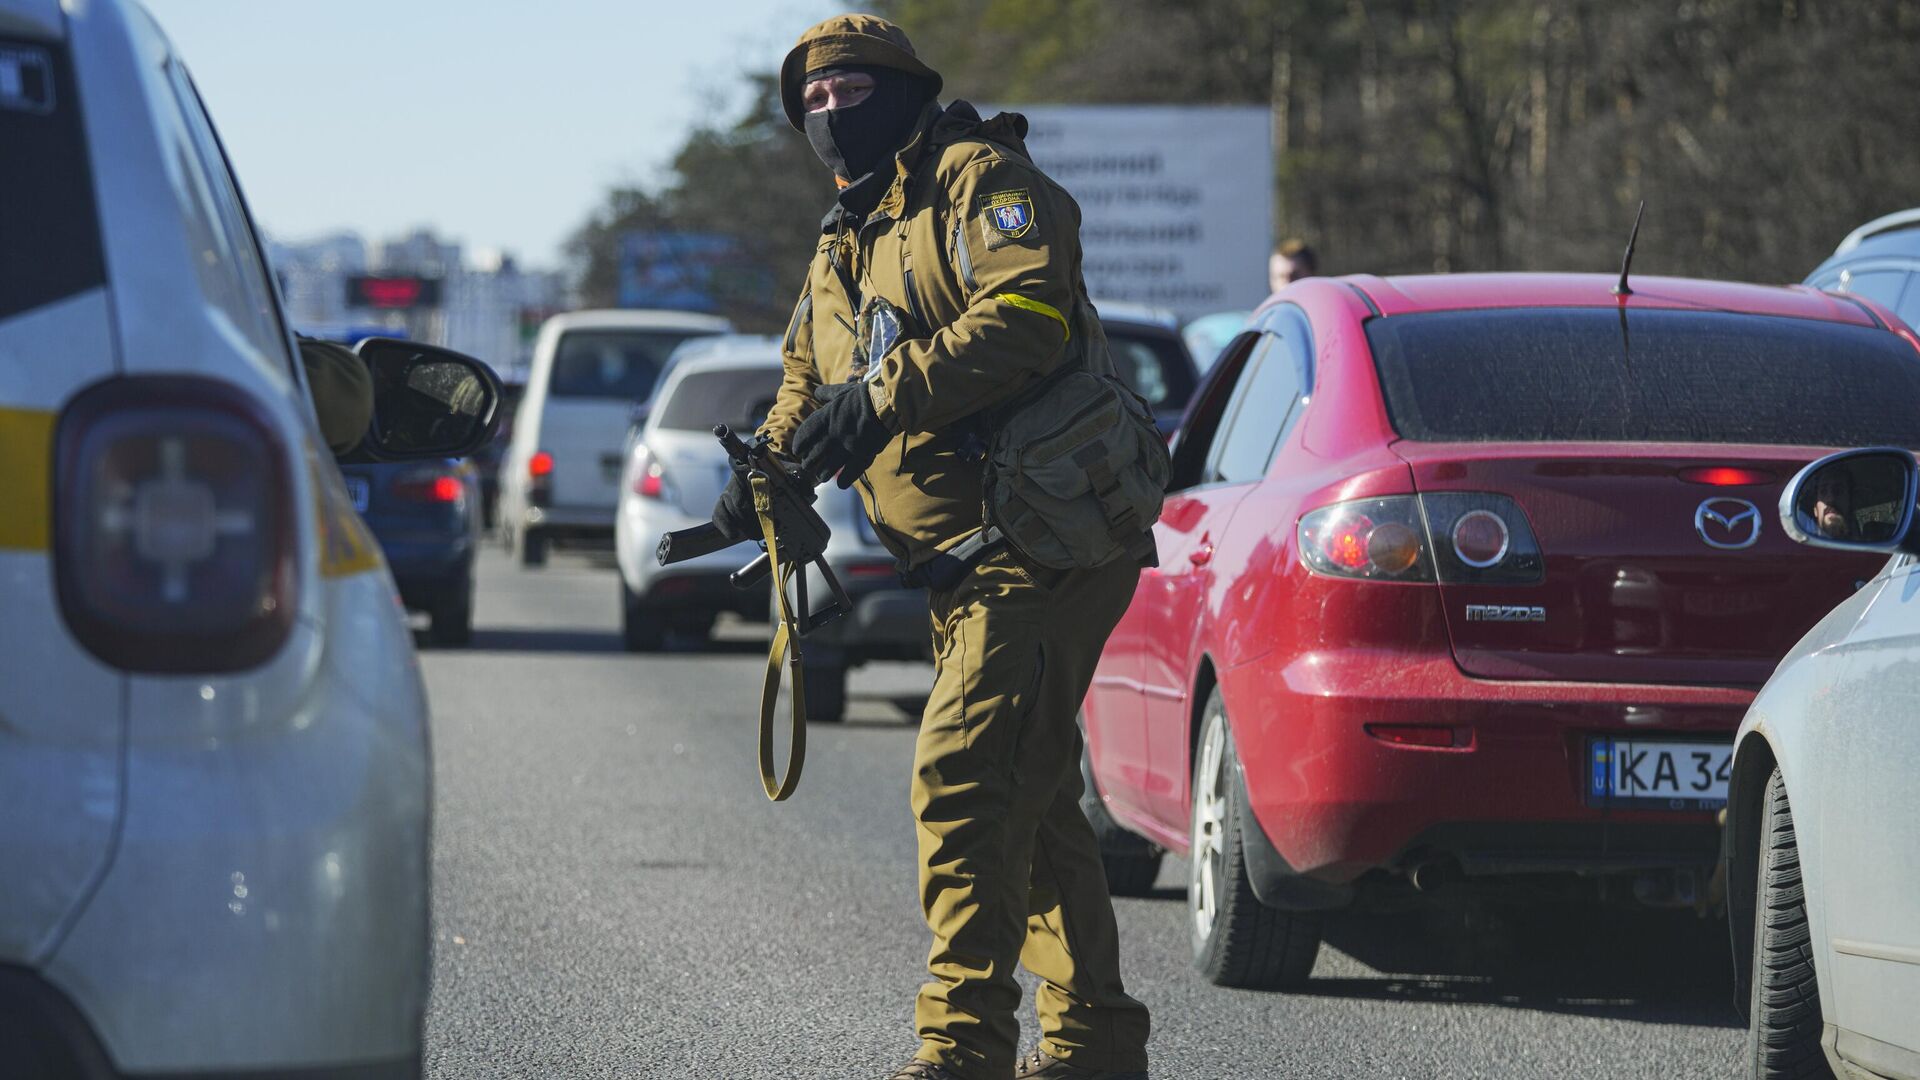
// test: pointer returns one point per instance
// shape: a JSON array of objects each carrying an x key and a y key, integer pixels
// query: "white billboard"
[{"x": 1176, "y": 201}]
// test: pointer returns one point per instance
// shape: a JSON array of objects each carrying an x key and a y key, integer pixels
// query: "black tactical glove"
[
  {"x": 842, "y": 436},
  {"x": 734, "y": 515}
]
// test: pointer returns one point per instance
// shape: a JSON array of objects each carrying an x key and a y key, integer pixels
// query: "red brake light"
[
  {"x": 1368, "y": 538},
  {"x": 430, "y": 485},
  {"x": 1725, "y": 476},
  {"x": 1346, "y": 541},
  {"x": 539, "y": 465},
  {"x": 174, "y": 527},
  {"x": 651, "y": 483}
]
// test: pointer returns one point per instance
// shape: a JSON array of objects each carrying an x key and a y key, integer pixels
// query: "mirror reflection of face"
[
  {"x": 1831, "y": 502},
  {"x": 839, "y": 91}
]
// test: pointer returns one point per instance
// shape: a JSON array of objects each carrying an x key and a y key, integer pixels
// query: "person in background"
[{"x": 1291, "y": 261}]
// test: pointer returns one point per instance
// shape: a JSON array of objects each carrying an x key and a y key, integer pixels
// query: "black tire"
[
  {"x": 452, "y": 616},
  {"x": 1132, "y": 862},
  {"x": 1242, "y": 943},
  {"x": 640, "y": 630},
  {"x": 1783, "y": 1036},
  {"x": 530, "y": 547},
  {"x": 826, "y": 691}
]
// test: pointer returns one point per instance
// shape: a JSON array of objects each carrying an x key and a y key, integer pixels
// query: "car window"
[
  {"x": 1193, "y": 440},
  {"x": 1883, "y": 287},
  {"x": 614, "y": 364},
  {"x": 737, "y": 397},
  {"x": 262, "y": 293},
  {"x": 1154, "y": 365},
  {"x": 1909, "y": 307},
  {"x": 1262, "y": 402},
  {"x": 1582, "y": 375},
  {"x": 48, "y": 221},
  {"x": 224, "y": 258}
]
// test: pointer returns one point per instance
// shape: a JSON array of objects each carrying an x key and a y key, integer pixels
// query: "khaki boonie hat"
[{"x": 847, "y": 40}]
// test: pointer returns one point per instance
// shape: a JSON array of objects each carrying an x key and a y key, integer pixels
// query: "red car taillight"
[
  {"x": 1451, "y": 537},
  {"x": 1367, "y": 538},
  {"x": 429, "y": 486},
  {"x": 174, "y": 526}
]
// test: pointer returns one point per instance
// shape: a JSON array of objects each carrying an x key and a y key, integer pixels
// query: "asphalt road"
[{"x": 613, "y": 896}]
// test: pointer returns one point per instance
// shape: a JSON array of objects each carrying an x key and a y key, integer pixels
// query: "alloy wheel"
[{"x": 1208, "y": 857}]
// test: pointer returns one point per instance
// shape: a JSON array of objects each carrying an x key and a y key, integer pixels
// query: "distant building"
[{"x": 339, "y": 286}]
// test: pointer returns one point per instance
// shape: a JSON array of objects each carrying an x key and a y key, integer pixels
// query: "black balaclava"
[{"x": 855, "y": 140}]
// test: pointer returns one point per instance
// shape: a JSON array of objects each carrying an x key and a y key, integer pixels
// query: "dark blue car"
[{"x": 424, "y": 515}]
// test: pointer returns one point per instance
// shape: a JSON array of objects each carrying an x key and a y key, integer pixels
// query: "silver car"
[
  {"x": 1823, "y": 814},
  {"x": 674, "y": 474}
]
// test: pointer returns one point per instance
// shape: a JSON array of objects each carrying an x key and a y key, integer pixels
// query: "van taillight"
[
  {"x": 539, "y": 478},
  {"x": 173, "y": 526}
]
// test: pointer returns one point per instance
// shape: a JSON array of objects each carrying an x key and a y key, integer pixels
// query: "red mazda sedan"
[{"x": 1472, "y": 578}]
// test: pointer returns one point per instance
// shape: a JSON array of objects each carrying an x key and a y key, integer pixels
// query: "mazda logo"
[{"x": 1727, "y": 524}]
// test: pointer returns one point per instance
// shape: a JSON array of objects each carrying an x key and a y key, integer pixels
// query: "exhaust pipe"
[{"x": 1430, "y": 874}]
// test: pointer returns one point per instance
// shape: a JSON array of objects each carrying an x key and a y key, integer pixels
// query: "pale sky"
[{"x": 498, "y": 122}]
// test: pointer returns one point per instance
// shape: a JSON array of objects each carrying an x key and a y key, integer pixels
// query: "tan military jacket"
[{"x": 983, "y": 251}]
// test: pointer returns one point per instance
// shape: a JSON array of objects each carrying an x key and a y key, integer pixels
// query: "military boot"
[
  {"x": 1040, "y": 1065},
  {"x": 922, "y": 1070}
]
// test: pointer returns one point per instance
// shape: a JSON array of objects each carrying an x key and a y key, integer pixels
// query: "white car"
[
  {"x": 1823, "y": 814},
  {"x": 676, "y": 471},
  {"x": 214, "y": 776},
  {"x": 560, "y": 479}
]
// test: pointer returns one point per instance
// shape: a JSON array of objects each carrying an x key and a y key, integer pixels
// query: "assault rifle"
[{"x": 793, "y": 536}]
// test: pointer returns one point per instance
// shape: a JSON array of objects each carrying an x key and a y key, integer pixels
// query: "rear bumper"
[
  {"x": 1336, "y": 802},
  {"x": 703, "y": 589},
  {"x": 887, "y": 622},
  {"x": 425, "y": 567},
  {"x": 44, "y": 1037},
  {"x": 266, "y": 911},
  {"x": 570, "y": 521}
]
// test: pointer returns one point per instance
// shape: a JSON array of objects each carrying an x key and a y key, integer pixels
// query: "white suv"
[
  {"x": 214, "y": 778},
  {"x": 561, "y": 476}
]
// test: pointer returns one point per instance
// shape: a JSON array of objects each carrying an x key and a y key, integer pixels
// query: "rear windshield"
[
  {"x": 614, "y": 364},
  {"x": 1155, "y": 365},
  {"x": 49, "y": 236},
  {"x": 737, "y": 397},
  {"x": 1580, "y": 375}
]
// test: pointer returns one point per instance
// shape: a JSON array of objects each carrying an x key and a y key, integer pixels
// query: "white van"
[{"x": 561, "y": 477}]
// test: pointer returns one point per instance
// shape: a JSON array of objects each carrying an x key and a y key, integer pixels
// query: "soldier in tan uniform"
[{"x": 946, "y": 281}]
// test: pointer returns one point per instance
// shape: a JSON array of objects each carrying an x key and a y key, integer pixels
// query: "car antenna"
[{"x": 1621, "y": 288}]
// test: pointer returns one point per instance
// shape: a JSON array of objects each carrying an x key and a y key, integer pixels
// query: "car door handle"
[{"x": 1202, "y": 555}]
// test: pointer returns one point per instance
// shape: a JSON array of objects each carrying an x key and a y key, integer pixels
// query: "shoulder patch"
[{"x": 1005, "y": 216}]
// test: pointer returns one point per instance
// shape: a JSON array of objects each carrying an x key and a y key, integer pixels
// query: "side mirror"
[
  {"x": 427, "y": 401},
  {"x": 1856, "y": 500}
]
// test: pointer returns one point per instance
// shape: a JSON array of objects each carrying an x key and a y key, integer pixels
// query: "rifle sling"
[{"x": 786, "y": 645}]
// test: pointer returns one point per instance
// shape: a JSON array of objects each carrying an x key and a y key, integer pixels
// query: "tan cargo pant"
[{"x": 1009, "y": 868}]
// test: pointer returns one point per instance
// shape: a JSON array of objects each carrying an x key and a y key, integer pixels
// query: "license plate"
[
  {"x": 358, "y": 490},
  {"x": 1724, "y": 605},
  {"x": 1658, "y": 774}
]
